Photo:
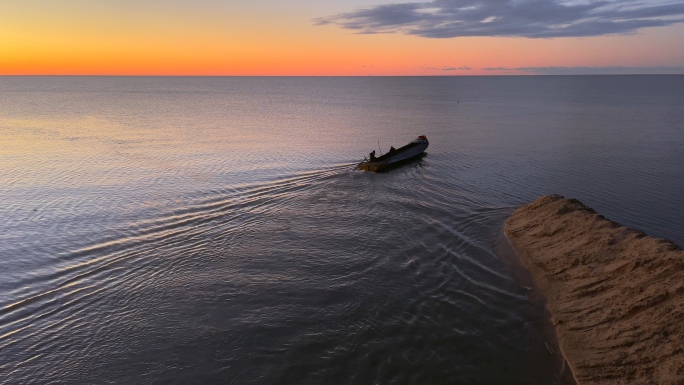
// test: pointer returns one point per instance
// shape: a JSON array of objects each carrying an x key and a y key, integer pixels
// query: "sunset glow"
[{"x": 40, "y": 37}]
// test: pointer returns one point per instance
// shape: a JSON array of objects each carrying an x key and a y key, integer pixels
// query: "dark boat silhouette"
[{"x": 395, "y": 156}]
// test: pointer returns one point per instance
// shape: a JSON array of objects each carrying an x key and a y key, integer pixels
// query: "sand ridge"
[{"x": 616, "y": 295}]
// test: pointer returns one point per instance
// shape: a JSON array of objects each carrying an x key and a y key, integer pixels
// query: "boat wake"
[{"x": 336, "y": 268}]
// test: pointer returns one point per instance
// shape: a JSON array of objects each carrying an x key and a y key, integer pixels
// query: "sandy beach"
[{"x": 616, "y": 295}]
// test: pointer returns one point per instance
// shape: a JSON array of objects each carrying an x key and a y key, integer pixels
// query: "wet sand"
[{"x": 616, "y": 295}]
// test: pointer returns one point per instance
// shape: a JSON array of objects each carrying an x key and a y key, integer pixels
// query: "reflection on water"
[{"x": 214, "y": 230}]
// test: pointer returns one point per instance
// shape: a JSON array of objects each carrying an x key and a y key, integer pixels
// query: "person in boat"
[
  {"x": 372, "y": 156},
  {"x": 392, "y": 150}
]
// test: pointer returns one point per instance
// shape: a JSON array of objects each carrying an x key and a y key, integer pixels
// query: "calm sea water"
[{"x": 213, "y": 230}]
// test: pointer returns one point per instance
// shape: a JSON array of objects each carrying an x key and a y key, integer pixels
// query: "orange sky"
[{"x": 210, "y": 37}]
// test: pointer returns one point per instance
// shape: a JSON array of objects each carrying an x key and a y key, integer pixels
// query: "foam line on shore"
[{"x": 616, "y": 295}]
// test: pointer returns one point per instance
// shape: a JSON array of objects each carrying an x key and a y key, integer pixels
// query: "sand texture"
[{"x": 616, "y": 295}]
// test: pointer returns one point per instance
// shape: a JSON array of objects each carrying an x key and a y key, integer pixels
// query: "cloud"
[
  {"x": 462, "y": 68},
  {"x": 512, "y": 18},
  {"x": 609, "y": 70}
]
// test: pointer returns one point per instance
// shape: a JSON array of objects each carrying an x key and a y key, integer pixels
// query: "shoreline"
[
  {"x": 615, "y": 295},
  {"x": 523, "y": 277}
]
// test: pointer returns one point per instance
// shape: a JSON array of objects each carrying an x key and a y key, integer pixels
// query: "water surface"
[{"x": 213, "y": 230}]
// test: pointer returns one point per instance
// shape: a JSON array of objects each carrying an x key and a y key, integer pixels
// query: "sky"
[{"x": 334, "y": 37}]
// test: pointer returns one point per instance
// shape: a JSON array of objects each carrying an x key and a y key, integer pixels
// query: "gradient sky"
[{"x": 333, "y": 37}]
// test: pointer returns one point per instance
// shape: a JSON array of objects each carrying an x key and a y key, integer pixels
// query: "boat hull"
[{"x": 390, "y": 160}]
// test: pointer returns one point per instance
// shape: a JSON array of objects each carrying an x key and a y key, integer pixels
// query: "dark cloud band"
[
  {"x": 514, "y": 18},
  {"x": 609, "y": 70}
]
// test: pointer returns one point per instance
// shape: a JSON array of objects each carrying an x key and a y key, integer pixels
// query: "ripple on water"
[{"x": 302, "y": 279}]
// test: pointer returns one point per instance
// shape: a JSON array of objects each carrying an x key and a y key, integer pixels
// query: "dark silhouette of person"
[
  {"x": 392, "y": 150},
  {"x": 372, "y": 156}
]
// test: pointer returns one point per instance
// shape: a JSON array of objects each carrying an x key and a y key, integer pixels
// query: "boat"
[{"x": 395, "y": 156}]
